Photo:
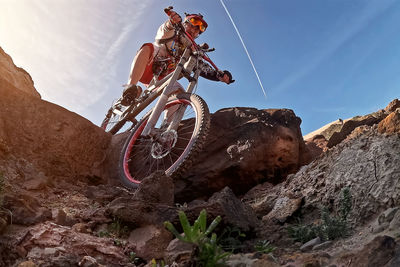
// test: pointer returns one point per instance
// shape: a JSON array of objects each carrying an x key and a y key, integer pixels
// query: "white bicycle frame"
[{"x": 185, "y": 65}]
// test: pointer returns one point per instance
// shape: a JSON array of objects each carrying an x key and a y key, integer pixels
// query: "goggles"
[{"x": 199, "y": 23}]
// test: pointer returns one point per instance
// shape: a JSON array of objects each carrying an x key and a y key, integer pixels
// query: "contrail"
[{"x": 244, "y": 46}]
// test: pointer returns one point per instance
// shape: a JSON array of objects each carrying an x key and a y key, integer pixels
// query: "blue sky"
[{"x": 323, "y": 59}]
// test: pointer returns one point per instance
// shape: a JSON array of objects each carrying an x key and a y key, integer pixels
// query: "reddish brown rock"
[
  {"x": 391, "y": 124},
  {"x": 393, "y": 105},
  {"x": 179, "y": 252},
  {"x": 141, "y": 213},
  {"x": 229, "y": 207},
  {"x": 378, "y": 252},
  {"x": 26, "y": 209},
  {"x": 353, "y": 123},
  {"x": 61, "y": 246},
  {"x": 316, "y": 146},
  {"x": 245, "y": 147},
  {"x": 261, "y": 198},
  {"x": 150, "y": 241},
  {"x": 284, "y": 208},
  {"x": 55, "y": 141},
  {"x": 252, "y": 260},
  {"x": 18, "y": 77},
  {"x": 156, "y": 188}
]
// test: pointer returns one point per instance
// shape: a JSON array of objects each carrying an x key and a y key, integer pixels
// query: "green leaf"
[
  {"x": 187, "y": 229},
  {"x": 203, "y": 220},
  {"x": 213, "y": 225},
  {"x": 172, "y": 229},
  {"x": 213, "y": 239},
  {"x": 196, "y": 233}
]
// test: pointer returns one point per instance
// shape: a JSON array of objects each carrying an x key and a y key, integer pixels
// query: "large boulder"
[
  {"x": 15, "y": 75},
  {"x": 245, "y": 146},
  {"x": 57, "y": 142}
]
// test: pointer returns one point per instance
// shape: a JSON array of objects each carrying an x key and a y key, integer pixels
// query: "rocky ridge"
[{"x": 62, "y": 204}]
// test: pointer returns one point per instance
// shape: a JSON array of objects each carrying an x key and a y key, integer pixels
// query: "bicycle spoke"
[
  {"x": 143, "y": 165},
  {"x": 177, "y": 155},
  {"x": 185, "y": 127},
  {"x": 163, "y": 164},
  {"x": 186, "y": 133},
  {"x": 182, "y": 138},
  {"x": 186, "y": 114},
  {"x": 170, "y": 157}
]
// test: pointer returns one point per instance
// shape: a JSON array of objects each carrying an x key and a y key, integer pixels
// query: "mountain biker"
[{"x": 162, "y": 56}]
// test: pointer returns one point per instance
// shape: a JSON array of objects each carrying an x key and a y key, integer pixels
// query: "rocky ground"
[{"x": 62, "y": 204}]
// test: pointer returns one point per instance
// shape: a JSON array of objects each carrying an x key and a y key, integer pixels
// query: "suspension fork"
[
  {"x": 162, "y": 101},
  {"x": 178, "y": 115}
]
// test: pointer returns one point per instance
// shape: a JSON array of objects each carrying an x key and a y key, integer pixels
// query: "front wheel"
[{"x": 170, "y": 151}]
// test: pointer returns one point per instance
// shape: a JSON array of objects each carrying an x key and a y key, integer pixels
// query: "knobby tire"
[{"x": 141, "y": 157}]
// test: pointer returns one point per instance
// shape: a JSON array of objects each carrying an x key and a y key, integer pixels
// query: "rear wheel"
[
  {"x": 169, "y": 151},
  {"x": 113, "y": 121}
]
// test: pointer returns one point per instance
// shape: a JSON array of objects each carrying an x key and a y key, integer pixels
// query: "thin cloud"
[
  {"x": 128, "y": 26},
  {"x": 70, "y": 50}
]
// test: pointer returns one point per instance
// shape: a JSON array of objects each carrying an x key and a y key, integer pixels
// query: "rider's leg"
[{"x": 141, "y": 60}]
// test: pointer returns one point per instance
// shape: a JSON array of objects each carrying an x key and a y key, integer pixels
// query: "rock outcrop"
[
  {"x": 46, "y": 140},
  {"x": 391, "y": 124},
  {"x": 18, "y": 77},
  {"x": 245, "y": 146},
  {"x": 334, "y": 133}
]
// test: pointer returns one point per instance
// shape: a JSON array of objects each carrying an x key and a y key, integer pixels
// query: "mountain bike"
[{"x": 170, "y": 135}]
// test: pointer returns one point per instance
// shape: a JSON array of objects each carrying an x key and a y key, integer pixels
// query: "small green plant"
[
  {"x": 345, "y": 203},
  {"x": 209, "y": 253},
  {"x": 119, "y": 243},
  {"x": 264, "y": 246},
  {"x": 331, "y": 227},
  {"x": 117, "y": 228},
  {"x": 231, "y": 239},
  {"x": 133, "y": 258},
  {"x": 104, "y": 234},
  {"x": 303, "y": 233},
  {"x": 154, "y": 263}
]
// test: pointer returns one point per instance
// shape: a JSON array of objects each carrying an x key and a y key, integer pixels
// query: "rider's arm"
[
  {"x": 211, "y": 74},
  {"x": 173, "y": 19},
  {"x": 166, "y": 30}
]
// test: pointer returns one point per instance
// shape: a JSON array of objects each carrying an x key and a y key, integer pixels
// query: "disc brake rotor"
[{"x": 164, "y": 144}]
